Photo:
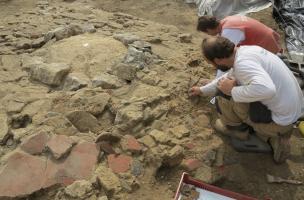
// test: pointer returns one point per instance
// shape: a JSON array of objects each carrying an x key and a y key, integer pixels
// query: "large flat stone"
[{"x": 24, "y": 174}]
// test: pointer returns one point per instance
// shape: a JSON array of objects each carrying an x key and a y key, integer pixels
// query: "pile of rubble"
[{"x": 94, "y": 103}]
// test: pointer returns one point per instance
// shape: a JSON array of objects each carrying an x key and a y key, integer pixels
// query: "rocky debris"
[
  {"x": 185, "y": 38},
  {"x": 51, "y": 74},
  {"x": 68, "y": 31},
  {"x": 111, "y": 137},
  {"x": 92, "y": 101},
  {"x": 35, "y": 144},
  {"x": 148, "y": 141},
  {"x": 126, "y": 38},
  {"x": 130, "y": 143},
  {"x": 4, "y": 130},
  {"x": 60, "y": 125},
  {"x": 106, "y": 81},
  {"x": 120, "y": 163},
  {"x": 84, "y": 121},
  {"x": 129, "y": 116},
  {"x": 151, "y": 78},
  {"x": 60, "y": 145},
  {"x": 108, "y": 180},
  {"x": 24, "y": 174},
  {"x": 81, "y": 189},
  {"x": 75, "y": 81},
  {"x": 180, "y": 131},
  {"x": 124, "y": 71},
  {"x": 174, "y": 157},
  {"x": 139, "y": 54},
  {"x": 161, "y": 137}
]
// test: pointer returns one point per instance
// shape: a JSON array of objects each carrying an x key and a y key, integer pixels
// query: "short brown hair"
[
  {"x": 217, "y": 47},
  {"x": 206, "y": 22}
]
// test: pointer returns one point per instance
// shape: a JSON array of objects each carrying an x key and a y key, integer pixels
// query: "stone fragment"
[
  {"x": 138, "y": 57},
  {"x": 148, "y": 141},
  {"x": 208, "y": 175},
  {"x": 209, "y": 157},
  {"x": 130, "y": 143},
  {"x": 108, "y": 180},
  {"x": 103, "y": 198},
  {"x": 84, "y": 121},
  {"x": 191, "y": 164},
  {"x": 35, "y": 144},
  {"x": 14, "y": 106},
  {"x": 79, "y": 189},
  {"x": 151, "y": 79},
  {"x": 136, "y": 168},
  {"x": 4, "y": 129},
  {"x": 108, "y": 137},
  {"x": 129, "y": 116},
  {"x": 180, "y": 131},
  {"x": 185, "y": 38},
  {"x": 125, "y": 71},
  {"x": 37, "y": 43},
  {"x": 90, "y": 101},
  {"x": 161, "y": 137},
  {"x": 126, "y": 38},
  {"x": 106, "y": 81},
  {"x": 75, "y": 81},
  {"x": 120, "y": 163},
  {"x": 174, "y": 157},
  {"x": 60, "y": 145},
  {"x": 50, "y": 74},
  {"x": 61, "y": 125}
]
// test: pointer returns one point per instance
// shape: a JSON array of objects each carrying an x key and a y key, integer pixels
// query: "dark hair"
[
  {"x": 217, "y": 47},
  {"x": 206, "y": 22}
]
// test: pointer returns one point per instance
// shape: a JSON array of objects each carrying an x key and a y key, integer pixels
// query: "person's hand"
[
  {"x": 226, "y": 84},
  {"x": 195, "y": 91}
]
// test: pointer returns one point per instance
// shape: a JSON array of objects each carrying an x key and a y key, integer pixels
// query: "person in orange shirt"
[{"x": 241, "y": 30}]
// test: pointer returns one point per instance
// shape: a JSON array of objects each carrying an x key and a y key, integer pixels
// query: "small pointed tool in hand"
[{"x": 274, "y": 179}]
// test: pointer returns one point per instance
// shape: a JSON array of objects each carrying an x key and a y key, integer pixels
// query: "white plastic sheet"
[{"x": 223, "y": 8}]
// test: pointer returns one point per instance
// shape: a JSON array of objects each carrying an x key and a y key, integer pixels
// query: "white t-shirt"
[{"x": 263, "y": 76}]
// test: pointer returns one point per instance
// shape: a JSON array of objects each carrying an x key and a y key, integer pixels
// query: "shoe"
[
  {"x": 281, "y": 148},
  {"x": 230, "y": 131}
]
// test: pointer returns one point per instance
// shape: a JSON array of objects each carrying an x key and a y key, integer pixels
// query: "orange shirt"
[{"x": 256, "y": 33}]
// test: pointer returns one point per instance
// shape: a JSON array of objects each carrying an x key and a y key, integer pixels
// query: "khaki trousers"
[{"x": 234, "y": 114}]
